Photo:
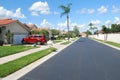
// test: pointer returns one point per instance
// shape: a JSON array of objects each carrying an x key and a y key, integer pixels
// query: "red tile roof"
[{"x": 6, "y": 21}]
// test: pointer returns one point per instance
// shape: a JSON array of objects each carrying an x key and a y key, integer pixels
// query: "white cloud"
[
  {"x": 115, "y": 9},
  {"x": 83, "y": 27},
  {"x": 46, "y": 24},
  {"x": 18, "y": 13},
  {"x": 117, "y": 20},
  {"x": 96, "y": 22},
  {"x": 90, "y": 11},
  {"x": 34, "y": 14},
  {"x": 86, "y": 11},
  {"x": 108, "y": 22},
  {"x": 102, "y": 10},
  {"x": 39, "y": 8},
  {"x": 83, "y": 11},
  {"x": 4, "y": 13},
  {"x": 63, "y": 25}
]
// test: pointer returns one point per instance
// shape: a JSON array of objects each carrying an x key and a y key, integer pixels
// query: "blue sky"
[{"x": 45, "y": 13}]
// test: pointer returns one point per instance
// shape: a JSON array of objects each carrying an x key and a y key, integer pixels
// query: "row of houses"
[{"x": 12, "y": 31}]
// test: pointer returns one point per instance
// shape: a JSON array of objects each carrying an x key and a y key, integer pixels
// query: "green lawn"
[
  {"x": 109, "y": 42},
  {"x": 12, "y": 66},
  {"x": 65, "y": 43},
  {"x": 57, "y": 41},
  {"x": 113, "y": 43},
  {"x": 9, "y": 50}
]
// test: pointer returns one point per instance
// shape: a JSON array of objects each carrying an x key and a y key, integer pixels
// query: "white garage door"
[{"x": 17, "y": 38}]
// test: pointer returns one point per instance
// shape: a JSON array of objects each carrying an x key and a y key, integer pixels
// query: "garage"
[{"x": 17, "y": 38}]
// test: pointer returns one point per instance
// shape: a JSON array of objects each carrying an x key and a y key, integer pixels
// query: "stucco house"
[
  {"x": 32, "y": 26},
  {"x": 83, "y": 34},
  {"x": 12, "y": 31}
]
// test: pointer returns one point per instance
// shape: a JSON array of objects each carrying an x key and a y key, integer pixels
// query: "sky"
[{"x": 46, "y": 13}]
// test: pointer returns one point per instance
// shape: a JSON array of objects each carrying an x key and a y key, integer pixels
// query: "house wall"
[
  {"x": 2, "y": 34},
  {"x": 114, "y": 37},
  {"x": 18, "y": 32},
  {"x": 16, "y": 28},
  {"x": 1, "y": 37}
]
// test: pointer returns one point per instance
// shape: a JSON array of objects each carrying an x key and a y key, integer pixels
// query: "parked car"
[{"x": 36, "y": 39}]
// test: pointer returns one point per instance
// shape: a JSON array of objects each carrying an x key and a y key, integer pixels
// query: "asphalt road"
[{"x": 85, "y": 59}]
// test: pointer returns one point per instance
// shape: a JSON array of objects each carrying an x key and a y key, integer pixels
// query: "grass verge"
[
  {"x": 65, "y": 43},
  {"x": 9, "y": 50},
  {"x": 12, "y": 66},
  {"x": 109, "y": 42},
  {"x": 57, "y": 41}
]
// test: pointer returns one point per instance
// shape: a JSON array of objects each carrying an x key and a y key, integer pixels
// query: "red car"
[{"x": 37, "y": 39}]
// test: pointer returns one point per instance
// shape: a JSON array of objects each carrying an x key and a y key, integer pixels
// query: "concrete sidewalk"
[{"x": 16, "y": 75}]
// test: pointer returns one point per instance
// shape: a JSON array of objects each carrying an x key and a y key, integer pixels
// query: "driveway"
[{"x": 85, "y": 59}]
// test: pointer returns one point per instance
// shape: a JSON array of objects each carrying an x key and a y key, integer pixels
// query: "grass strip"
[
  {"x": 12, "y": 66},
  {"x": 110, "y": 42},
  {"x": 113, "y": 43},
  {"x": 56, "y": 41},
  {"x": 9, "y": 50},
  {"x": 65, "y": 43}
]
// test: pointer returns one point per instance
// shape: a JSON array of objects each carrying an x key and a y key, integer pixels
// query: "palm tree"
[
  {"x": 66, "y": 10},
  {"x": 91, "y": 27}
]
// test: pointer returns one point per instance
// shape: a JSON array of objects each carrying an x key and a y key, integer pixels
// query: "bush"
[{"x": 1, "y": 42}]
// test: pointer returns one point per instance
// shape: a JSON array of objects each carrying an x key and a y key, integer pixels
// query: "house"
[
  {"x": 83, "y": 34},
  {"x": 32, "y": 26},
  {"x": 12, "y": 31}
]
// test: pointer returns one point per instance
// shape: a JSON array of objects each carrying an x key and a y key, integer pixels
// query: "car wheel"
[
  {"x": 38, "y": 42},
  {"x": 23, "y": 42}
]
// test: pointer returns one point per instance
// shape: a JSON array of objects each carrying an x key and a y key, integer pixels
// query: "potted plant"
[{"x": 1, "y": 42}]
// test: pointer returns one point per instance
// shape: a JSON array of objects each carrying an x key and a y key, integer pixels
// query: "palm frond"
[
  {"x": 62, "y": 7},
  {"x": 69, "y": 5},
  {"x": 62, "y": 14}
]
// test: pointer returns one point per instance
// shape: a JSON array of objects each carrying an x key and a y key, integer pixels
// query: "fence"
[{"x": 114, "y": 37}]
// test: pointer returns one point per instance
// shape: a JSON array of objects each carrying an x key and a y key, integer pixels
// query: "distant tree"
[
  {"x": 115, "y": 28},
  {"x": 76, "y": 30},
  {"x": 88, "y": 32},
  {"x": 35, "y": 31},
  {"x": 45, "y": 32},
  {"x": 91, "y": 27},
  {"x": 118, "y": 27},
  {"x": 55, "y": 32},
  {"x": 72, "y": 34},
  {"x": 66, "y": 10},
  {"x": 106, "y": 31}
]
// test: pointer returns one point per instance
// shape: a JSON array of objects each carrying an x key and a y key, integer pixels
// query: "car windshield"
[{"x": 37, "y": 36}]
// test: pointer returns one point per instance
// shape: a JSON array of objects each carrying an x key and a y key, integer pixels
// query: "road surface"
[{"x": 85, "y": 59}]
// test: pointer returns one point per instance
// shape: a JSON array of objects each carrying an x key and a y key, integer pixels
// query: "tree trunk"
[{"x": 68, "y": 26}]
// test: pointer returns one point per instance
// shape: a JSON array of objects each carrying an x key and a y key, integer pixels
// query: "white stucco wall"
[
  {"x": 114, "y": 37},
  {"x": 18, "y": 32},
  {"x": 16, "y": 28}
]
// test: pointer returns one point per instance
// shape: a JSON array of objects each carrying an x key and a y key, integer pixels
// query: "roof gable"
[
  {"x": 6, "y": 21},
  {"x": 9, "y": 21}
]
